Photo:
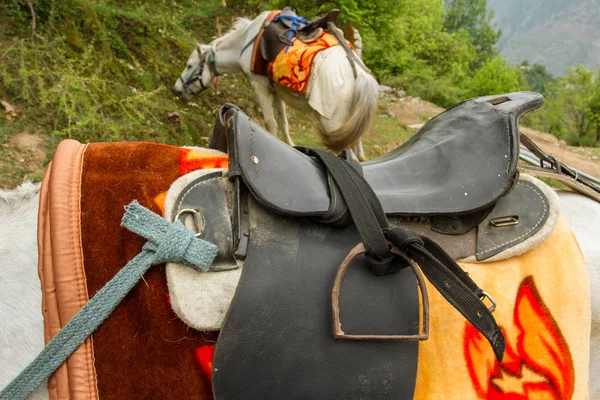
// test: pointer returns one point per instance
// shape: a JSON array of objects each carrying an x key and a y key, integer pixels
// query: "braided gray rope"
[{"x": 166, "y": 242}]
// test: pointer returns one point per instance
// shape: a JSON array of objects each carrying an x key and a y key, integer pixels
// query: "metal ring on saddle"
[
  {"x": 492, "y": 308},
  {"x": 554, "y": 160},
  {"x": 199, "y": 220}
]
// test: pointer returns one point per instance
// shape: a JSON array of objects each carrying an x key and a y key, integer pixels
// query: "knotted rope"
[{"x": 166, "y": 243}]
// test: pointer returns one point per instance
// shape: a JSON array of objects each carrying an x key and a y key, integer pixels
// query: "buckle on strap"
[{"x": 485, "y": 295}]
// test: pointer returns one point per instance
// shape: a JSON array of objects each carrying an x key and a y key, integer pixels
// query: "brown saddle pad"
[{"x": 142, "y": 350}]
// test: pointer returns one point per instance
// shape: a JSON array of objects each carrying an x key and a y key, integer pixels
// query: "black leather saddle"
[
  {"x": 314, "y": 317},
  {"x": 458, "y": 165}
]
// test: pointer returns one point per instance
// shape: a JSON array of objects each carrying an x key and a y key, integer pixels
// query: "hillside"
[
  {"x": 554, "y": 33},
  {"x": 107, "y": 76}
]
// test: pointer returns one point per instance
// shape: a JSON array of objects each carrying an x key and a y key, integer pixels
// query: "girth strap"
[{"x": 440, "y": 269}]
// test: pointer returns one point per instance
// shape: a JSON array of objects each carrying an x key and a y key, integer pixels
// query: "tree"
[
  {"x": 594, "y": 107},
  {"x": 494, "y": 77},
  {"x": 573, "y": 106},
  {"x": 536, "y": 76},
  {"x": 473, "y": 17}
]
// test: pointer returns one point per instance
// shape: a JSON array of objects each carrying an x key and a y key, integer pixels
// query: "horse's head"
[{"x": 199, "y": 72}]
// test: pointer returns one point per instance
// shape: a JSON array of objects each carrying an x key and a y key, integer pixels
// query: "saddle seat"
[
  {"x": 460, "y": 163},
  {"x": 275, "y": 35},
  {"x": 308, "y": 32}
]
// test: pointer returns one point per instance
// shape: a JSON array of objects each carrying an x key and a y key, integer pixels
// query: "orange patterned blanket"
[{"x": 292, "y": 68}]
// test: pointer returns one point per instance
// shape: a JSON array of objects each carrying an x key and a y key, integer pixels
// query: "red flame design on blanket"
[
  {"x": 191, "y": 160},
  {"x": 538, "y": 365},
  {"x": 204, "y": 357}
]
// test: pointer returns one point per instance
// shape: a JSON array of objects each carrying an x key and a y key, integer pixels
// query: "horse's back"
[
  {"x": 22, "y": 336},
  {"x": 583, "y": 215}
]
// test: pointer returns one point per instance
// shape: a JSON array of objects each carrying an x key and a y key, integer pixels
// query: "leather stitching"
[
  {"x": 81, "y": 279},
  {"x": 546, "y": 210},
  {"x": 89, "y": 343},
  {"x": 74, "y": 195},
  {"x": 195, "y": 186}
]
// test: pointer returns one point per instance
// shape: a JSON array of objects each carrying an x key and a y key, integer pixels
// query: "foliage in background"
[
  {"x": 473, "y": 17},
  {"x": 536, "y": 76},
  {"x": 102, "y": 70},
  {"x": 572, "y": 109},
  {"x": 495, "y": 76}
]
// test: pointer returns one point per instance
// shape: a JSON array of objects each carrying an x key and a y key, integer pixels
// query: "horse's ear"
[{"x": 199, "y": 49}]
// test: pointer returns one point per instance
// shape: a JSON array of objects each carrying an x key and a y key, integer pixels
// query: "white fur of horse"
[
  {"x": 21, "y": 324},
  {"x": 583, "y": 215},
  {"x": 343, "y": 130}
]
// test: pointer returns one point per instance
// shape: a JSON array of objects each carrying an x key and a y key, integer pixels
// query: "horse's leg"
[
  {"x": 265, "y": 101},
  {"x": 282, "y": 119}
]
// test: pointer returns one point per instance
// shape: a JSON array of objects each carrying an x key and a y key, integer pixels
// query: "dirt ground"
[
  {"x": 577, "y": 157},
  {"x": 413, "y": 110},
  {"x": 25, "y": 153}
]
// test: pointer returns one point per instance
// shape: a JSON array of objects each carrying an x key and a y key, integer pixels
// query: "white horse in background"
[
  {"x": 21, "y": 329},
  {"x": 231, "y": 54}
]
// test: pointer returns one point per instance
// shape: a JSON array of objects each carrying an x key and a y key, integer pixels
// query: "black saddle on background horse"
[{"x": 277, "y": 32}]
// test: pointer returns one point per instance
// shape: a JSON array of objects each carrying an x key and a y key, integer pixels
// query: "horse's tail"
[{"x": 362, "y": 112}]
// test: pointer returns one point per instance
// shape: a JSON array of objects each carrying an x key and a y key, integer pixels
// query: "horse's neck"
[
  {"x": 226, "y": 62},
  {"x": 229, "y": 49},
  {"x": 227, "y": 54}
]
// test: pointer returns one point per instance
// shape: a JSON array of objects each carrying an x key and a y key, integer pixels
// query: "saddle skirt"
[
  {"x": 282, "y": 30},
  {"x": 266, "y": 303},
  {"x": 293, "y": 66}
]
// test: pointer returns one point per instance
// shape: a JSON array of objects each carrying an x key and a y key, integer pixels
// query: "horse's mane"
[
  {"x": 236, "y": 29},
  {"x": 15, "y": 198}
]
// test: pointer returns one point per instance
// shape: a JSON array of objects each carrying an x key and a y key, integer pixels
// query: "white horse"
[
  {"x": 21, "y": 332},
  {"x": 22, "y": 327},
  {"x": 230, "y": 54}
]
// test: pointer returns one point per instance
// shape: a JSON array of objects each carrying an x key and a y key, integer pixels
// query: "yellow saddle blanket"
[{"x": 292, "y": 68}]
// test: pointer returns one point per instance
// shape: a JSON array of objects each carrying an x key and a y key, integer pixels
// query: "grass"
[{"x": 102, "y": 71}]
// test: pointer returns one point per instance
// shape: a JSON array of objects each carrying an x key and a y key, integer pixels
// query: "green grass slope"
[{"x": 102, "y": 71}]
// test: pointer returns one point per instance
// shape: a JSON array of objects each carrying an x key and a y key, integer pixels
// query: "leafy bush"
[
  {"x": 494, "y": 77},
  {"x": 572, "y": 109},
  {"x": 536, "y": 76}
]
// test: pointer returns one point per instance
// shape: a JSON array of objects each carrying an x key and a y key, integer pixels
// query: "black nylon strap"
[
  {"x": 441, "y": 270},
  {"x": 456, "y": 290},
  {"x": 365, "y": 219}
]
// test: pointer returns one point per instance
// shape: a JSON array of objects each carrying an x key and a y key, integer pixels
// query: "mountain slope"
[{"x": 551, "y": 32}]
